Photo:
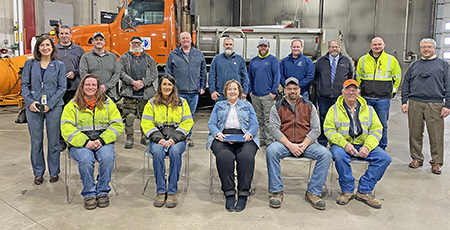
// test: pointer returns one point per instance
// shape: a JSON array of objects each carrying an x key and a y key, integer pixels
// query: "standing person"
[
  {"x": 295, "y": 134},
  {"x": 70, "y": 54},
  {"x": 139, "y": 77},
  {"x": 43, "y": 86},
  {"x": 379, "y": 76},
  {"x": 188, "y": 66},
  {"x": 103, "y": 64},
  {"x": 354, "y": 129},
  {"x": 91, "y": 123},
  {"x": 166, "y": 121},
  {"x": 264, "y": 76},
  {"x": 332, "y": 69},
  {"x": 427, "y": 89},
  {"x": 224, "y": 67},
  {"x": 234, "y": 116},
  {"x": 299, "y": 66}
]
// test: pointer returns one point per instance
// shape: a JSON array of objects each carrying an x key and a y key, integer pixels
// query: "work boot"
[
  {"x": 315, "y": 201},
  {"x": 103, "y": 201},
  {"x": 160, "y": 200},
  {"x": 144, "y": 140},
  {"x": 90, "y": 203},
  {"x": 129, "y": 142},
  {"x": 344, "y": 198},
  {"x": 62, "y": 145},
  {"x": 190, "y": 143},
  {"x": 172, "y": 200},
  {"x": 275, "y": 199},
  {"x": 368, "y": 199}
]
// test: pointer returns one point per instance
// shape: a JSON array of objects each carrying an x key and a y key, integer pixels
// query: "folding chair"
[
  {"x": 352, "y": 161},
  {"x": 147, "y": 174},
  {"x": 68, "y": 181},
  {"x": 212, "y": 175},
  {"x": 303, "y": 160}
]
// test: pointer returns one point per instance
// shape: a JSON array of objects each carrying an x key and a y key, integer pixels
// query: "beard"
[
  {"x": 228, "y": 51},
  {"x": 136, "y": 49}
]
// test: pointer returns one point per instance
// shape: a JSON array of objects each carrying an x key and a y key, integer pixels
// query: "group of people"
[{"x": 75, "y": 94}]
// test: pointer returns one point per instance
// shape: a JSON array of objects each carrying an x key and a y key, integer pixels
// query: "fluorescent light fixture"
[
  {"x": 447, "y": 25},
  {"x": 446, "y": 55},
  {"x": 446, "y": 40}
]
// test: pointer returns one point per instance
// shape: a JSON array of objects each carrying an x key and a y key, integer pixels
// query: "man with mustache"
[{"x": 224, "y": 67}]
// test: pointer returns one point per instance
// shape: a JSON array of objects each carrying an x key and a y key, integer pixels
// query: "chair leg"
[
  {"x": 146, "y": 172},
  {"x": 114, "y": 185},
  {"x": 66, "y": 182}
]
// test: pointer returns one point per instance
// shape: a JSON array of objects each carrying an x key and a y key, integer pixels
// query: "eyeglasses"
[
  {"x": 427, "y": 47},
  {"x": 136, "y": 43},
  {"x": 334, "y": 47},
  {"x": 351, "y": 90}
]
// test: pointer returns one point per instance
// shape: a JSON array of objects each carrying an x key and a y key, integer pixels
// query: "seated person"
[
  {"x": 166, "y": 121},
  {"x": 234, "y": 116},
  {"x": 91, "y": 123},
  {"x": 294, "y": 124},
  {"x": 354, "y": 130}
]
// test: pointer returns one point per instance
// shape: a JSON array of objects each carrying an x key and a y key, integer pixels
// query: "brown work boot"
[
  {"x": 103, "y": 201},
  {"x": 415, "y": 164},
  {"x": 275, "y": 199},
  {"x": 144, "y": 140},
  {"x": 129, "y": 142},
  {"x": 172, "y": 200},
  {"x": 368, "y": 199},
  {"x": 344, "y": 198},
  {"x": 436, "y": 169},
  {"x": 160, "y": 200},
  {"x": 90, "y": 203},
  {"x": 315, "y": 201}
]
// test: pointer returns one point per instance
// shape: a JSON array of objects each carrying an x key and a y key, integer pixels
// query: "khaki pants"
[{"x": 431, "y": 114}]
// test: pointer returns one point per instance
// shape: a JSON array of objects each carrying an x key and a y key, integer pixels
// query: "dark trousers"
[
  {"x": 324, "y": 105},
  {"x": 244, "y": 155}
]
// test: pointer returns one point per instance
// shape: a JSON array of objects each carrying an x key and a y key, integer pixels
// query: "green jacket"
[
  {"x": 150, "y": 79},
  {"x": 161, "y": 122},
  {"x": 337, "y": 125},
  {"x": 80, "y": 126}
]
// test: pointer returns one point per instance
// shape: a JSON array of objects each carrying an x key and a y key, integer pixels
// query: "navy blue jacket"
[
  {"x": 301, "y": 68},
  {"x": 264, "y": 75},
  {"x": 187, "y": 74},
  {"x": 223, "y": 69}
]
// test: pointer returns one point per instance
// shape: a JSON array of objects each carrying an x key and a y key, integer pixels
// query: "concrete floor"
[{"x": 411, "y": 199}]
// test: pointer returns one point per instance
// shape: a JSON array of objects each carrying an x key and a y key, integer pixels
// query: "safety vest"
[
  {"x": 337, "y": 125},
  {"x": 79, "y": 126}
]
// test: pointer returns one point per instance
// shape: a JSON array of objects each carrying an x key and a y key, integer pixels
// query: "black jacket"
[{"x": 322, "y": 76}]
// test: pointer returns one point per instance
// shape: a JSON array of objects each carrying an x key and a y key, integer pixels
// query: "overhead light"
[
  {"x": 447, "y": 25},
  {"x": 446, "y": 55},
  {"x": 446, "y": 40}
]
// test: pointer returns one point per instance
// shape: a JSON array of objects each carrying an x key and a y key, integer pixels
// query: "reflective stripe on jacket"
[
  {"x": 337, "y": 125},
  {"x": 79, "y": 126},
  {"x": 378, "y": 79},
  {"x": 157, "y": 118}
]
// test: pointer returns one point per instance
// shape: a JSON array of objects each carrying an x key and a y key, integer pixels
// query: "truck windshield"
[{"x": 144, "y": 12}]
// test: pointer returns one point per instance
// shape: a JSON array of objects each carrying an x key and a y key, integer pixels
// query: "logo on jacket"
[
  {"x": 300, "y": 63},
  {"x": 235, "y": 63}
]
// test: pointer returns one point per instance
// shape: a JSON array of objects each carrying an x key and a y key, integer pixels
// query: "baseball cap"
[
  {"x": 136, "y": 37},
  {"x": 98, "y": 34},
  {"x": 351, "y": 82},
  {"x": 263, "y": 41},
  {"x": 291, "y": 80}
]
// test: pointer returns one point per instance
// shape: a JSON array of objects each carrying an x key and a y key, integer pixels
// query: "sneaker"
[
  {"x": 172, "y": 200},
  {"x": 90, "y": 203},
  {"x": 129, "y": 142},
  {"x": 229, "y": 203},
  {"x": 275, "y": 199},
  {"x": 344, "y": 198},
  {"x": 368, "y": 199},
  {"x": 144, "y": 141},
  {"x": 190, "y": 143},
  {"x": 103, "y": 201},
  {"x": 160, "y": 200},
  {"x": 262, "y": 144},
  {"x": 315, "y": 201},
  {"x": 240, "y": 205}
]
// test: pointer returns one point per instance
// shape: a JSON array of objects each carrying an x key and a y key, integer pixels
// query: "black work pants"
[{"x": 244, "y": 155}]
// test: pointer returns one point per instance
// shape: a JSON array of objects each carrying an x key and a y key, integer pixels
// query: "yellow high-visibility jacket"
[
  {"x": 80, "y": 126},
  {"x": 162, "y": 122},
  {"x": 378, "y": 79},
  {"x": 337, "y": 125}
]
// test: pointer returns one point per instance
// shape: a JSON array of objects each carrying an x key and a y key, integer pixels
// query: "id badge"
[
  {"x": 379, "y": 71},
  {"x": 44, "y": 99}
]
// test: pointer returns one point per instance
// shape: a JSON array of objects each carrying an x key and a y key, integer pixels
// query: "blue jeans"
[
  {"x": 382, "y": 106},
  {"x": 315, "y": 151},
  {"x": 379, "y": 161},
  {"x": 192, "y": 100},
  {"x": 159, "y": 166},
  {"x": 36, "y": 128},
  {"x": 324, "y": 105},
  {"x": 86, "y": 162}
]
